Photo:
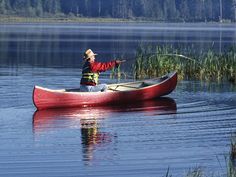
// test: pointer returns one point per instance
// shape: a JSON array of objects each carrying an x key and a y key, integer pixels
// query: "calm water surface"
[
  {"x": 191, "y": 127},
  {"x": 63, "y": 44}
]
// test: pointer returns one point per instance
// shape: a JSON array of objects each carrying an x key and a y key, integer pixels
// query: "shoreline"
[{"x": 18, "y": 19}]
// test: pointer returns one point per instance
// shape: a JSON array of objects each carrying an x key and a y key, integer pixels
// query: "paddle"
[{"x": 118, "y": 62}]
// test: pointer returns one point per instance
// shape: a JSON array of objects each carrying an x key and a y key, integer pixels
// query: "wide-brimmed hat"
[{"x": 88, "y": 53}]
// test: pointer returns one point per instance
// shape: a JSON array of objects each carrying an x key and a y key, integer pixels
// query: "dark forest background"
[{"x": 158, "y": 10}]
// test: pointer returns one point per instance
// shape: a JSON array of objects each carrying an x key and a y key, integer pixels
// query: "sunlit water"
[{"x": 192, "y": 127}]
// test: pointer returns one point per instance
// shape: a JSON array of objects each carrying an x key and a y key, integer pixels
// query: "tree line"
[{"x": 159, "y": 10}]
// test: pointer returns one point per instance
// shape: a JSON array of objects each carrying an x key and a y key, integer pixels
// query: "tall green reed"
[
  {"x": 231, "y": 166},
  {"x": 207, "y": 66}
]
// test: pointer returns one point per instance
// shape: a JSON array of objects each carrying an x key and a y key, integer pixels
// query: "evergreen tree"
[
  {"x": 138, "y": 8},
  {"x": 2, "y": 7},
  {"x": 209, "y": 10},
  {"x": 199, "y": 10},
  {"x": 38, "y": 5},
  {"x": 162, "y": 10},
  {"x": 233, "y": 11},
  {"x": 170, "y": 10},
  {"x": 51, "y": 6},
  {"x": 184, "y": 10}
]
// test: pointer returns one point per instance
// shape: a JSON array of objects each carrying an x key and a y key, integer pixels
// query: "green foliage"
[
  {"x": 208, "y": 66},
  {"x": 195, "y": 172},
  {"x": 231, "y": 169},
  {"x": 168, "y": 10}
]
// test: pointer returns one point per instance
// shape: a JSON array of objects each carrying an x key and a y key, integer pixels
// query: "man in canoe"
[{"x": 91, "y": 70}]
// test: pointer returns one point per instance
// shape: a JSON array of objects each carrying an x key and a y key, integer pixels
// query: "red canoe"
[{"x": 122, "y": 93}]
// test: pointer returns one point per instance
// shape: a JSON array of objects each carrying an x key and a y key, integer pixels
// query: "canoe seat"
[
  {"x": 146, "y": 83},
  {"x": 72, "y": 90},
  {"x": 152, "y": 82}
]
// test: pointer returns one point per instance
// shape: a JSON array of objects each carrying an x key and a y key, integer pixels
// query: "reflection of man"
[{"x": 90, "y": 136}]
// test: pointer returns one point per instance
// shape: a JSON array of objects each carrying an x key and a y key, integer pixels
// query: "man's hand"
[{"x": 120, "y": 61}]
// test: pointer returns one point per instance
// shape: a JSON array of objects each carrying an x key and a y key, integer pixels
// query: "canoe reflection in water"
[{"x": 89, "y": 119}]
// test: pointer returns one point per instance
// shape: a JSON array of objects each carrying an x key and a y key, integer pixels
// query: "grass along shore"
[
  {"x": 230, "y": 161},
  {"x": 231, "y": 171},
  {"x": 208, "y": 66},
  {"x": 63, "y": 19},
  {"x": 60, "y": 18}
]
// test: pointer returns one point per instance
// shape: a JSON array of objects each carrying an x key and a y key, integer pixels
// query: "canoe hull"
[{"x": 46, "y": 98}]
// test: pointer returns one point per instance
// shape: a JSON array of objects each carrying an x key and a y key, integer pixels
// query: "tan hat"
[{"x": 88, "y": 53}]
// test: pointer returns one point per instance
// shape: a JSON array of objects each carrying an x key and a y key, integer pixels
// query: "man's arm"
[{"x": 101, "y": 67}]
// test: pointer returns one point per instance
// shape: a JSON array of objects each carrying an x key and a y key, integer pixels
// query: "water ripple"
[{"x": 140, "y": 139}]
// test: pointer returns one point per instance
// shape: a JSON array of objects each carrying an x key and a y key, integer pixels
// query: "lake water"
[
  {"x": 192, "y": 127},
  {"x": 62, "y": 45}
]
